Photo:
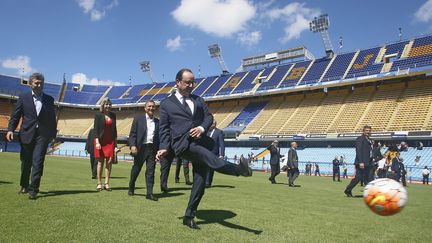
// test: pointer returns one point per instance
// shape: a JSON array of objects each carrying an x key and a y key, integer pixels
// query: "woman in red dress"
[{"x": 105, "y": 142}]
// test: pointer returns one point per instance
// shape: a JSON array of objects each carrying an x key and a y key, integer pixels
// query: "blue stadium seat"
[
  {"x": 214, "y": 88},
  {"x": 365, "y": 63},
  {"x": 295, "y": 74},
  {"x": 117, "y": 91},
  {"x": 12, "y": 85},
  {"x": 315, "y": 72},
  {"x": 338, "y": 67},
  {"x": 247, "y": 83},
  {"x": 203, "y": 84},
  {"x": 276, "y": 78},
  {"x": 247, "y": 114},
  {"x": 231, "y": 83}
]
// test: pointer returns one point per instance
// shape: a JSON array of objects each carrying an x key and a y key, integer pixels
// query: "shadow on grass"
[
  {"x": 5, "y": 182},
  {"x": 124, "y": 188},
  {"x": 65, "y": 192},
  {"x": 166, "y": 195},
  {"x": 118, "y": 177},
  {"x": 173, "y": 189},
  {"x": 223, "y": 186},
  {"x": 219, "y": 217}
]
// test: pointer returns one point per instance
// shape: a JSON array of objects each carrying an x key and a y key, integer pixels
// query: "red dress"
[{"x": 107, "y": 143}]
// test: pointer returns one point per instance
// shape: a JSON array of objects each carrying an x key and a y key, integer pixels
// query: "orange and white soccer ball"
[{"x": 385, "y": 196}]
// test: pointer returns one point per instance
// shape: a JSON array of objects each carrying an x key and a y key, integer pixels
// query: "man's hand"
[
  {"x": 195, "y": 133},
  {"x": 362, "y": 165},
  {"x": 134, "y": 150},
  {"x": 161, "y": 153},
  {"x": 9, "y": 136}
]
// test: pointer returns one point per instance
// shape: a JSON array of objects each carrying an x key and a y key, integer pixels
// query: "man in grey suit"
[
  {"x": 275, "y": 157},
  {"x": 292, "y": 164}
]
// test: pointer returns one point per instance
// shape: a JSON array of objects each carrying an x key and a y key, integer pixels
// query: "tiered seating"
[
  {"x": 85, "y": 98},
  {"x": 164, "y": 92},
  {"x": 413, "y": 108},
  {"x": 154, "y": 90},
  {"x": 315, "y": 72},
  {"x": 124, "y": 121},
  {"x": 52, "y": 90},
  {"x": 420, "y": 55},
  {"x": 265, "y": 116},
  {"x": 351, "y": 111},
  {"x": 396, "y": 48},
  {"x": 75, "y": 122},
  {"x": 12, "y": 86},
  {"x": 247, "y": 83},
  {"x": 214, "y": 88},
  {"x": 247, "y": 114},
  {"x": 326, "y": 113},
  {"x": 203, "y": 85},
  {"x": 88, "y": 95},
  {"x": 138, "y": 90},
  {"x": 338, "y": 67},
  {"x": 117, "y": 91},
  {"x": 231, "y": 83},
  {"x": 228, "y": 111},
  {"x": 295, "y": 74},
  {"x": 381, "y": 108},
  {"x": 286, "y": 109},
  {"x": 276, "y": 78},
  {"x": 302, "y": 114},
  {"x": 365, "y": 63}
]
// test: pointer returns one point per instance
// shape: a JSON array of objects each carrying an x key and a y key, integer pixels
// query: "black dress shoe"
[
  {"x": 131, "y": 193},
  {"x": 93, "y": 177},
  {"x": 348, "y": 193},
  {"x": 151, "y": 197},
  {"x": 208, "y": 186},
  {"x": 244, "y": 169},
  {"x": 23, "y": 190},
  {"x": 189, "y": 222},
  {"x": 188, "y": 183},
  {"x": 32, "y": 195}
]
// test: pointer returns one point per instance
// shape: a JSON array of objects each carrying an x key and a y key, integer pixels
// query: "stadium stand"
[
  {"x": 75, "y": 122},
  {"x": 203, "y": 84},
  {"x": 231, "y": 84},
  {"x": 216, "y": 85},
  {"x": 295, "y": 74},
  {"x": 338, "y": 67},
  {"x": 276, "y": 78},
  {"x": 247, "y": 114},
  {"x": 419, "y": 55},
  {"x": 316, "y": 71},
  {"x": 247, "y": 83},
  {"x": 365, "y": 63},
  {"x": 117, "y": 91},
  {"x": 150, "y": 93},
  {"x": 164, "y": 92},
  {"x": 12, "y": 85},
  {"x": 6, "y": 109}
]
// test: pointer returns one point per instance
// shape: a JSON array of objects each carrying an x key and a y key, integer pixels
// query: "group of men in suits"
[{"x": 291, "y": 162}]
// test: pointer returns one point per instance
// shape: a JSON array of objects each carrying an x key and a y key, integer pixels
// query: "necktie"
[{"x": 186, "y": 105}]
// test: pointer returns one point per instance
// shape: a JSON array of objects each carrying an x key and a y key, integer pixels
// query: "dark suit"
[
  {"x": 176, "y": 120},
  {"x": 376, "y": 156},
  {"x": 336, "y": 169},
  {"x": 275, "y": 157},
  {"x": 396, "y": 168},
  {"x": 363, "y": 155},
  {"x": 218, "y": 150},
  {"x": 35, "y": 134},
  {"x": 89, "y": 147},
  {"x": 146, "y": 151},
  {"x": 179, "y": 164},
  {"x": 292, "y": 164}
]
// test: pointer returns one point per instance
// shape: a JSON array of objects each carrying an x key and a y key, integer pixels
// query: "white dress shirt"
[
  {"x": 37, "y": 100},
  {"x": 150, "y": 130},
  {"x": 189, "y": 102}
]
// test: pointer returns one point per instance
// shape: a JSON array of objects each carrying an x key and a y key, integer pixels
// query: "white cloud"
[
  {"x": 81, "y": 78},
  {"x": 96, "y": 8},
  {"x": 424, "y": 13},
  {"x": 222, "y": 18},
  {"x": 249, "y": 38},
  {"x": 174, "y": 44},
  {"x": 20, "y": 63},
  {"x": 295, "y": 16}
]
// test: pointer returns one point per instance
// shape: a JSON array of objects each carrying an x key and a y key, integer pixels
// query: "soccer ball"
[{"x": 385, "y": 196}]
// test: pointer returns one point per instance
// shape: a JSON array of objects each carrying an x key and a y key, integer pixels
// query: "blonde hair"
[{"x": 105, "y": 101}]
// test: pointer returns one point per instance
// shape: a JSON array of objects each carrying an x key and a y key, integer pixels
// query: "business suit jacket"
[
  {"x": 396, "y": 165},
  {"x": 138, "y": 132},
  {"x": 363, "y": 150},
  {"x": 292, "y": 158},
  {"x": 219, "y": 145},
  {"x": 176, "y": 122},
  {"x": 45, "y": 121},
  {"x": 89, "y": 147},
  {"x": 99, "y": 125},
  {"x": 275, "y": 155}
]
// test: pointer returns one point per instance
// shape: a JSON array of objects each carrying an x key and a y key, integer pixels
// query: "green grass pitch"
[{"x": 234, "y": 210}]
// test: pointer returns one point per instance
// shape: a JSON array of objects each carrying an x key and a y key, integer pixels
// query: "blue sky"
[{"x": 103, "y": 41}]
